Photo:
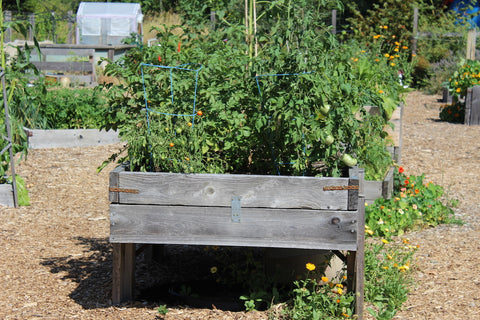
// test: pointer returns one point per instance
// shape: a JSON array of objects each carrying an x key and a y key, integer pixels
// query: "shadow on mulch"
[
  {"x": 92, "y": 272},
  {"x": 178, "y": 279}
]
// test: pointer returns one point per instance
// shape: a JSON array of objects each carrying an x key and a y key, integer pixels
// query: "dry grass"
[{"x": 157, "y": 21}]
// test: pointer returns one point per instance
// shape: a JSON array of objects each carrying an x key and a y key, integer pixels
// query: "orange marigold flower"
[
  {"x": 324, "y": 279},
  {"x": 417, "y": 191}
]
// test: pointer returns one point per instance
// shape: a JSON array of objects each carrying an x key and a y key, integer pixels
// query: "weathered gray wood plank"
[
  {"x": 64, "y": 52},
  {"x": 123, "y": 277},
  {"x": 6, "y": 195},
  {"x": 218, "y": 190},
  {"x": 65, "y": 138},
  {"x": 472, "y": 106},
  {"x": 283, "y": 228},
  {"x": 67, "y": 66}
]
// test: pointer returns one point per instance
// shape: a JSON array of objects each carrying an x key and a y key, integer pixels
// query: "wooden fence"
[{"x": 77, "y": 62}]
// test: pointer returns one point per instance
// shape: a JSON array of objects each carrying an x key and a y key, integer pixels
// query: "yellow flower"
[
  {"x": 324, "y": 279},
  {"x": 370, "y": 232},
  {"x": 385, "y": 27},
  {"x": 310, "y": 266},
  {"x": 385, "y": 241},
  {"x": 396, "y": 49},
  {"x": 344, "y": 277},
  {"x": 387, "y": 55},
  {"x": 380, "y": 91},
  {"x": 389, "y": 257},
  {"x": 213, "y": 269},
  {"x": 404, "y": 47},
  {"x": 414, "y": 55},
  {"x": 392, "y": 64},
  {"x": 385, "y": 267},
  {"x": 458, "y": 90},
  {"x": 339, "y": 285},
  {"x": 339, "y": 290}
]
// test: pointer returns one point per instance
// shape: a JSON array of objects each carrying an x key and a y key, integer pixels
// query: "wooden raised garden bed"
[
  {"x": 68, "y": 138},
  {"x": 376, "y": 189},
  {"x": 234, "y": 210}
]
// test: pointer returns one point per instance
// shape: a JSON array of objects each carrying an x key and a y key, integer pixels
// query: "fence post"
[
  {"x": 471, "y": 42},
  {"x": 70, "y": 27},
  {"x": 31, "y": 27},
  {"x": 334, "y": 21},
  {"x": 8, "y": 32},
  {"x": 415, "y": 30}
]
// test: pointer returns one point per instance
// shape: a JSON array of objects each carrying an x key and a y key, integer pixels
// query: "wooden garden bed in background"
[{"x": 66, "y": 138}]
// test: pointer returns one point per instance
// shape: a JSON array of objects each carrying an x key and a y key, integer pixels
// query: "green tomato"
[
  {"x": 179, "y": 130},
  {"x": 329, "y": 139},
  {"x": 348, "y": 160},
  {"x": 325, "y": 109}
]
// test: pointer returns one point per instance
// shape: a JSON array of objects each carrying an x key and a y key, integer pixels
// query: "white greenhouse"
[{"x": 107, "y": 23}]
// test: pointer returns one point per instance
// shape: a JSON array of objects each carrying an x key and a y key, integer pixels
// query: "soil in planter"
[{"x": 203, "y": 294}]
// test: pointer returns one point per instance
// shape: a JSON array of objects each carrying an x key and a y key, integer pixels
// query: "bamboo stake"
[{"x": 255, "y": 26}]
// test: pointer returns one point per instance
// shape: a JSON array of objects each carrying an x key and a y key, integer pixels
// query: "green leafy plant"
[
  {"x": 454, "y": 112},
  {"x": 80, "y": 108},
  {"x": 414, "y": 205},
  {"x": 17, "y": 73},
  {"x": 276, "y": 113},
  {"x": 467, "y": 76},
  {"x": 163, "y": 309},
  {"x": 387, "y": 276},
  {"x": 318, "y": 298}
]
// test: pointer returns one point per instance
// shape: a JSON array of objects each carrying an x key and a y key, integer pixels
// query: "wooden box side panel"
[
  {"x": 218, "y": 190},
  {"x": 281, "y": 228},
  {"x": 6, "y": 195}
]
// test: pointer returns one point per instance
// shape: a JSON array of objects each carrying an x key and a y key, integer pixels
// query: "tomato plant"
[{"x": 295, "y": 109}]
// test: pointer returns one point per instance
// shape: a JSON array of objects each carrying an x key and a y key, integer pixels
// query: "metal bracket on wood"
[{"x": 236, "y": 209}]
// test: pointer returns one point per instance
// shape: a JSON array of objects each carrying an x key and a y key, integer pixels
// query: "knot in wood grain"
[
  {"x": 210, "y": 191},
  {"x": 335, "y": 221}
]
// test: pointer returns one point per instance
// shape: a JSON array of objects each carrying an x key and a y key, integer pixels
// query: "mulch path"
[{"x": 56, "y": 258}]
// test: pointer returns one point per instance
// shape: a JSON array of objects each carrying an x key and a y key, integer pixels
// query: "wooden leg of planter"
[
  {"x": 355, "y": 280},
  {"x": 123, "y": 272}
]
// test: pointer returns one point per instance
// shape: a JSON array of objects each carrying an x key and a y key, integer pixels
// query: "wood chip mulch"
[{"x": 56, "y": 258}]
